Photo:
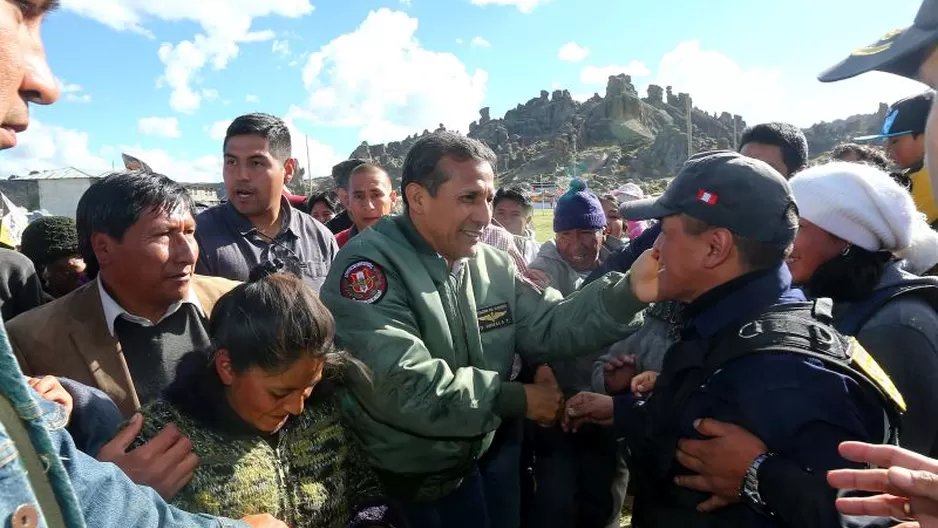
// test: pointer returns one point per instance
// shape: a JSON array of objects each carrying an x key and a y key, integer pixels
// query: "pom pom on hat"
[{"x": 578, "y": 208}]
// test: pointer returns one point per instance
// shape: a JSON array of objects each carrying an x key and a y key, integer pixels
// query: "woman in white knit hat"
[{"x": 859, "y": 234}]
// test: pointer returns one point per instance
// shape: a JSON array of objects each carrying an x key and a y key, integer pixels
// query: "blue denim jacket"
[{"x": 89, "y": 493}]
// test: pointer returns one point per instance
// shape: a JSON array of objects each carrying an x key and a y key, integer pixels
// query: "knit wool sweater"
[{"x": 310, "y": 474}]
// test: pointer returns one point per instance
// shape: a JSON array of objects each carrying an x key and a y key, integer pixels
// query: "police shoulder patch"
[
  {"x": 865, "y": 362},
  {"x": 364, "y": 281}
]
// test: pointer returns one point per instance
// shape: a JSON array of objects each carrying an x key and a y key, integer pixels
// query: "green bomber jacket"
[{"x": 440, "y": 340}]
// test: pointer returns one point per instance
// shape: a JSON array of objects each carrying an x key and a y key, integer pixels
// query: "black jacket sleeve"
[
  {"x": 910, "y": 359},
  {"x": 20, "y": 288},
  {"x": 803, "y": 499}
]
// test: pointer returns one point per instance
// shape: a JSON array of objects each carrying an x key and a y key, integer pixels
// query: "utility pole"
[
  {"x": 690, "y": 129},
  {"x": 309, "y": 171},
  {"x": 735, "y": 139}
]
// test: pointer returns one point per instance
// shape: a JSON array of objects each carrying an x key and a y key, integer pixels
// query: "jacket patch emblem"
[
  {"x": 494, "y": 317},
  {"x": 364, "y": 282}
]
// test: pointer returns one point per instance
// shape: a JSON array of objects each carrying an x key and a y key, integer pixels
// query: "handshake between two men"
[
  {"x": 546, "y": 404},
  {"x": 545, "y": 400}
]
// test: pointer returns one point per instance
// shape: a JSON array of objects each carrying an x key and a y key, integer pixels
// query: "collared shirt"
[
  {"x": 113, "y": 310},
  {"x": 231, "y": 247},
  {"x": 499, "y": 238}
]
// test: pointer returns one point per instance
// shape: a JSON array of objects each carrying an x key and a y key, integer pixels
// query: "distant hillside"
[{"x": 608, "y": 140}]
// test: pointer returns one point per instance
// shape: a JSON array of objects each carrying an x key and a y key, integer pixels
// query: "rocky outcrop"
[
  {"x": 822, "y": 137},
  {"x": 610, "y": 139}
]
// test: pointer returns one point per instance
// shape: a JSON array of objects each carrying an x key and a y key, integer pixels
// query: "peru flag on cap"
[{"x": 707, "y": 197}]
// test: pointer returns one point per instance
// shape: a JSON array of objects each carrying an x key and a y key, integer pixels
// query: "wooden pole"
[
  {"x": 309, "y": 171},
  {"x": 690, "y": 129},
  {"x": 735, "y": 137}
]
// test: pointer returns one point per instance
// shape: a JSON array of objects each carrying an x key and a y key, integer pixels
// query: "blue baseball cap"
[{"x": 907, "y": 116}]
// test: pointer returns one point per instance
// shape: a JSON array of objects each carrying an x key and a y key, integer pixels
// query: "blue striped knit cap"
[{"x": 578, "y": 209}]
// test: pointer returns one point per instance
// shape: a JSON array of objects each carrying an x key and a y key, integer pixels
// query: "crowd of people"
[{"x": 757, "y": 346}]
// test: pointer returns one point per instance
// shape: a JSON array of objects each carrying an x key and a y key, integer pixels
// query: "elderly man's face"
[
  {"x": 580, "y": 247},
  {"x": 25, "y": 76}
]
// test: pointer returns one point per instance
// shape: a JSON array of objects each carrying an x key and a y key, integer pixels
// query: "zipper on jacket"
[{"x": 453, "y": 294}]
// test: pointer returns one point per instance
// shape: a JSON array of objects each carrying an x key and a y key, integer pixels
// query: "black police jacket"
[{"x": 801, "y": 405}]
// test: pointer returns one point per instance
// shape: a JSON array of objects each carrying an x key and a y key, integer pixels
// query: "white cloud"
[
  {"x": 717, "y": 83},
  {"x": 281, "y": 47},
  {"x": 479, "y": 42},
  {"x": 460, "y": 41},
  {"x": 218, "y": 129},
  {"x": 321, "y": 156},
  {"x": 525, "y": 6},
  {"x": 45, "y": 147},
  {"x": 167, "y": 127},
  {"x": 201, "y": 169},
  {"x": 225, "y": 25},
  {"x": 78, "y": 98},
  {"x": 572, "y": 52},
  {"x": 251, "y": 98},
  {"x": 73, "y": 93},
  {"x": 407, "y": 3},
  {"x": 380, "y": 78},
  {"x": 600, "y": 74}
]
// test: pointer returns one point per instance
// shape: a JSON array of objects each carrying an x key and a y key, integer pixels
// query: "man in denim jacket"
[{"x": 45, "y": 480}]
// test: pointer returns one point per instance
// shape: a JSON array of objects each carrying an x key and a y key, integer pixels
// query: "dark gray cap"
[
  {"x": 901, "y": 51},
  {"x": 726, "y": 189}
]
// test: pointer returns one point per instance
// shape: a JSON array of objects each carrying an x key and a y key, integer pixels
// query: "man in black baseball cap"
[
  {"x": 728, "y": 222},
  {"x": 744, "y": 196},
  {"x": 904, "y": 133}
]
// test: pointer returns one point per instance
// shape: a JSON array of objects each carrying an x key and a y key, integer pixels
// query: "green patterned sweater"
[{"x": 310, "y": 474}]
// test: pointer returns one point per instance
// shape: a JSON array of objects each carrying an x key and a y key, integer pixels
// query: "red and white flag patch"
[{"x": 707, "y": 197}]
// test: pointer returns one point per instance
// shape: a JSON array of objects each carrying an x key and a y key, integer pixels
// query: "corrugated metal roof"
[{"x": 66, "y": 173}]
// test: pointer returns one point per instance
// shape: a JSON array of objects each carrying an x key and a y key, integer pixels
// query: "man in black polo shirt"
[{"x": 256, "y": 232}]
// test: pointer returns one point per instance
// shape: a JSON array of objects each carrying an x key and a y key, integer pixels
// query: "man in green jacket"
[{"x": 437, "y": 317}]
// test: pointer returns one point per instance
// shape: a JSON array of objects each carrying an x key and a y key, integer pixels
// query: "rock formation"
[{"x": 611, "y": 139}]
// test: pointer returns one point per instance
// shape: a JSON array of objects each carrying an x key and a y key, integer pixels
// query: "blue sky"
[{"x": 160, "y": 80}]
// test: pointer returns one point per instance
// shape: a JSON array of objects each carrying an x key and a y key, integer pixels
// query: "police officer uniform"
[
  {"x": 753, "y": 352},
  {"x": 440, "y": 342}
]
